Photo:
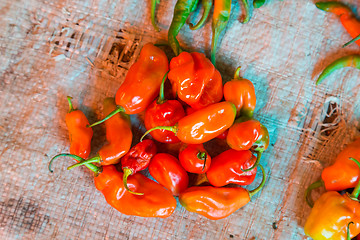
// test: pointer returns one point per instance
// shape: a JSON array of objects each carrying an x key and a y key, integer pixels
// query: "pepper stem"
[
  {"x": 348, "y": 236},
  {"x": 168, "y": 128},
  {"x": 153, "y": 8},
  {"x": 117, "y": 110},
  {"x": 95, "y": 159},
  {"x": 312, "y": 186},
  {"x": 255, "y": 164},
  {"x": 161, "y": 98},
  {"x": 256, "y": 190},
  {"x": 92, "y": 167},
  {"x": 127, "y": 173},
  {"x": 237, "y": 73},
  {"x": 202, "y": 156},
  {"x": 352, "y": 41},
  {"x": 356, "y": 191},
  {"x": 207, "y": 4},
  {"x": 71, "y": 108}
]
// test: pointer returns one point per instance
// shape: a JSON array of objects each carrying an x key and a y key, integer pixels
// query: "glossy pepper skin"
[
  {"x": 347, "y": 61},
  {"x": 136, "y": 159},
  {"x": 228, "y": 167},
  {"x": 204, "y": 124},
  {"x": 347, "y": 18},
  {"x": 243, "y": 133},
  {"x": 167, "y": 170},
  {"x": 182, "y": 10},
  {"x": 207, "y": 4},
  {"x": 216, "y": 203},
  {"x": 332, "y": 213},
  {"x": 163, "y": 112},
  {"x": 155, "y": 202},
  {"x": 194, "y": 158},
  {"x": 189, "y": 74},
  {"x": 241, "y": 92}
]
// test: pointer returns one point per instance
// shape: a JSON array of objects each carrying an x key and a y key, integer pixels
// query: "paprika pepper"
[
  {"x": 228, "y": 167},
  {"x": 332, "y": 213},
  {"x": 204, "y": 124},
  {"x": 241, "y": 92},
  {"x": 347, "y": 61},
  {"x": 207, "y": 4},
  {"x": 163, "y": 112},
  {"x": 216, "y": 203},
  {"x": 194, "y": 158},
  {"x": 142, "y": 82},
  {"x": 347, "y": 17},
  {"x": 167, "y": 170},
  {"x": 137, "y": 159}
]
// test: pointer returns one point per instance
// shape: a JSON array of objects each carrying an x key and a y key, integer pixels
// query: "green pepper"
[
  {"x": 207, "y": 4},
  {"x": 248, "y": 6},
  {"x": 153, "y": 7}
]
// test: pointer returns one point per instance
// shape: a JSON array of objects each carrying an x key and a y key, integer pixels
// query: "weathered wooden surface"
[{"x": 51, "y": 49}]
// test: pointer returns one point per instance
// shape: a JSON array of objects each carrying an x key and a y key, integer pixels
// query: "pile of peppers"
[{"x": 143, "y": 178}]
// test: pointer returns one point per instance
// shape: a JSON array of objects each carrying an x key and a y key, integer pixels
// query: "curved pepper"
[
  {"x": 153, "y": 8},
  {"x": 194, "y": 158},
  {"x": 142, "y": 82},
  {"x": 241, "y": 92},
  {"x": 163, "y": 112},
  {"x": 207, "y": 4},
  {"x": 249, "y": 8},
  {"x": 167, "y": 170},
  {"x": 332, "y": 213},
  {"x": 189, "y": 74},
  {"x": 182, "y": 10},
  {"x": 137, "y": 159},
  {"x": 217, "y": 203},
  {"x": 347, "y": 61},
  {"x": 221, "y": 15},
  {"x": 347, "y": 18},
  {"x": 204, "y": 124},
  {"x": 228, "y": 167}
]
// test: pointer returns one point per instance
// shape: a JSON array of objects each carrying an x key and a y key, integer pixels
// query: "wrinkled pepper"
[
  {"x": 347, "y": 17},
  {"x": 221, "y": 15},
  {"x": 217, "y": 203},
  {"x": 347, "y": 61},
  {"x": 332, "y": 214},
  {"x": 194, "y": 158},
  {"x": 142, "y": 82},
  {"x": 207, "y": 4},
  {"x": 138, "y": 158},
  {"x": 241, "y": 92},
  {"x": 167, "y": 170},
  {"x": 182, "y": 10},
  {"x": 228, "y": 167},
  {"x": 163, "y": 112},
  {"x": 204, "y": 124},
  {"x": 343, "y": 174}
]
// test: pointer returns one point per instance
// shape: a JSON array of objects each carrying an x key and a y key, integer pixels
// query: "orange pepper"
[
  {"x": 217, "y": 203},
  {"x": 241, "y": 92},
  {"x": 243, "y": 134}
]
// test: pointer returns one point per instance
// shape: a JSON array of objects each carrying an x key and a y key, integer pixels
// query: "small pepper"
[
  {"x": 241, "y": 92},
  {"x": 217, "y": 203},
  {"x": 204, "y": 124},
  {"x": 153, "y": 8},
  {"x": 347, "y": 17},
  {"x": 228, "y": 167},
  {"x": 167, "y": 170},
  {"x": 243, "y": 133},
  {"x": 222, "y": 9},
  {"x": 207, "y": 4},
  {"x": 332, "y": 213},
  {"x": 347, "y": 61},
  {"x": 194, "y": 158},
  {"x": 182, "y": 10},
  {"x": 137, "y": 159},
  {"x": 343, "y": 174},
  {"x": 142, "y": 82},
  {"x": 189, "y": 74},
  {"x": 163, "y": 112}
]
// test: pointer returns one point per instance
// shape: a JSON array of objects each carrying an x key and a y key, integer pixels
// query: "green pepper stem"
[
  {"x": 153, "y": 8},
  {"x": 352, "y": 41},
  {"x": 312, "y": 186},
  {"x": 71, "y": 108},
  {"x": 256, "y": 190},
  {"x": 248, "y": 7},
  {"x": 92, "y": 167},
  {"x": 207, "y": 4},
  {"x": 161, "y": 98},
  {"x": 348, "y": 236},
  {"x": 202, "y": 156},
  {"x": 218, "y": 25},
  {"x": 95, "y": 159},
  {"x": 237, "y": 73},
  {"x": 255, "y": 164},
  {"x": 168, "y": 128},
  {"x": 356, "y": 191},
  {"x": 127, "y": 173},
  {"x": 117, "y": 110}
]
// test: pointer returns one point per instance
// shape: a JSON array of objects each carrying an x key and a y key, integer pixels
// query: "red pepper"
[
  {"x": 228, "y": 167},
  {"x": 194, "y": 158},
  {"x": 137, "y": 159},
  {"x": 142, "y": 82},
  {"x": 167, "y": 170},
  {"x": 163, "y": 112}
]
